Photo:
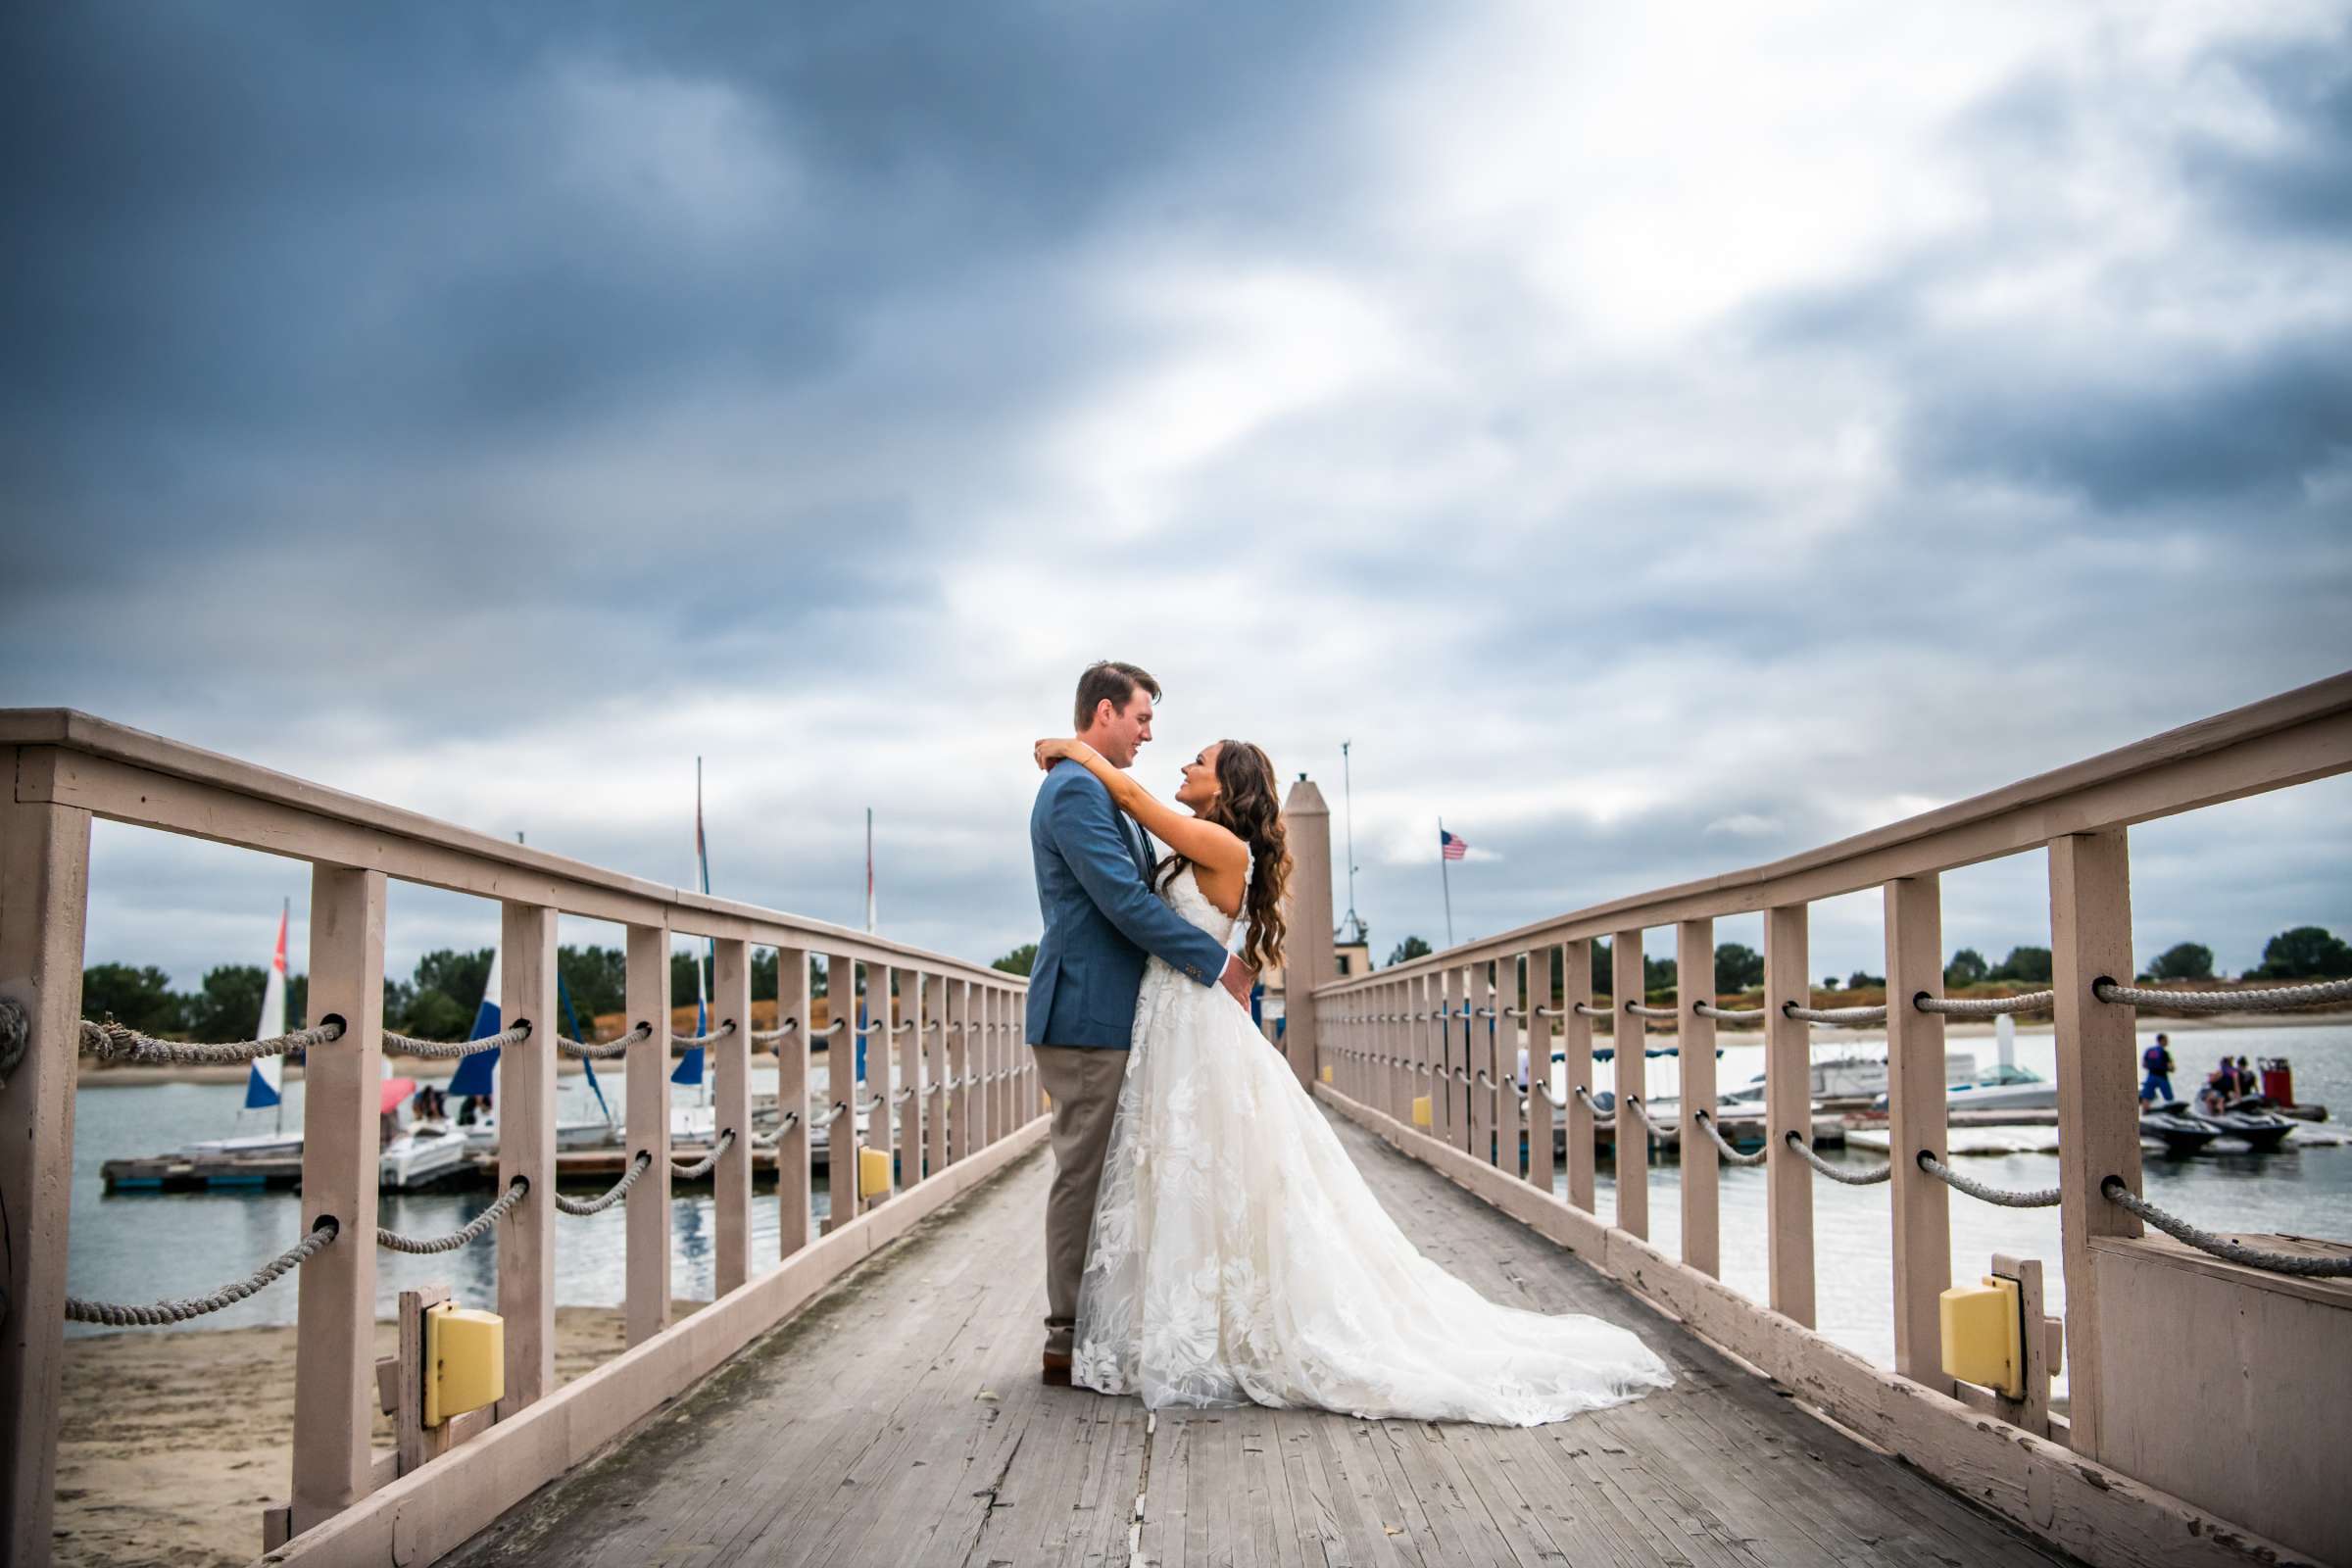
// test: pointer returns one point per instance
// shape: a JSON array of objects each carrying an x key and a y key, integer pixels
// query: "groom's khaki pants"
[{"x": 1084, "y": 1083}]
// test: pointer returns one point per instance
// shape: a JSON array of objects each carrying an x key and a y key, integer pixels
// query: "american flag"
[{"x": 1450, "y": 846}]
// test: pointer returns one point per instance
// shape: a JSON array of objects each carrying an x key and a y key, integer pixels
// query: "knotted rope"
[
  {"x": 2337, "y": 1266},
  {"x": 115, "y": 1315},
  {"x": 1722, "y": 1148},
  {"x": 2271, "y": 998},
  {"x": 1708, "y": 1010},
  {"x": 114, "y": 1042},
  {"x": 1643, "y": 1011},
  {"x": 768, "y": 1036},
  {"x": 446, "y": 1050},
  {"x": 468, "y": 1235},
  {"x": 708, "y": 1162},
  {"x": 586, "y": 1051},
  {"x": 690, "y": 1042},
  {"x": 1986, "y": 1007},
  {"x": 1837, "y": 1016},
  {"x": 2040, "y": 1198},
  {"x": 1869, "y": 1176},
  {"x": 612, "y": 1195}
]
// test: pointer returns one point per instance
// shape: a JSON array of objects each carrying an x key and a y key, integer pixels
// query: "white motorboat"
[
  {"x": 571, "y": 1132},
  {"x": 2004, "y": 1086},
  {"x": 422, "y": 1154},
  {"x": 258, "y": 1145}
]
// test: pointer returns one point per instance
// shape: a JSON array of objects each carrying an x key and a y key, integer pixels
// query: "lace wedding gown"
[{"x": 1238, "y": 1256}]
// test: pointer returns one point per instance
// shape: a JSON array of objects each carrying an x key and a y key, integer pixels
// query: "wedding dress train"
[{"x": 1238, "y": 1256}]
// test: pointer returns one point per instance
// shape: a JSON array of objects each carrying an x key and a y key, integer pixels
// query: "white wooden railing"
[
  {"x": 965, "y": 1100},
  {"x": 2150, "y": 1468}
]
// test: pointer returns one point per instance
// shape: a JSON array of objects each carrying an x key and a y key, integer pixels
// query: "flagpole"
[
  {"x": 870, "y": 870},
  {"x": 1445, "y": 880}
]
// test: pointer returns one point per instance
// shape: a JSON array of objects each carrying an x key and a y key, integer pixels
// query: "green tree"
[
  {"x": 1018, "y": 961},
  {"x": 1657, "y": 974},
  {"x": 2306, "y": 952},
  {"x": 1409, "y": 948},
  {"x": 138, "y": 998},
  {"x": 1738, "y": 968},
  {"x": 1605, "y": 969},
  {"x": 462, "y": 977},
  {"x": 597, "y": 979},
  {"x": 1968, "y": 966},
  {"x": 228, "y": 1006},
  {"x": 2032, "y": 965},
  {"x": 1862, "y": 979},
  {"x": 2183, "y": 960},
  {"x": 434, "y": 1014}
]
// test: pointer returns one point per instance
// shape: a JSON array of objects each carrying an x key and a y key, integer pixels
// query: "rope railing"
[
  {"x": 114, "y": 1042},
  {"x": 2268, "y": 998},
  {"x": 903, "y": 1096},
  {"x": 1586, "y": 1009},
  {"x": 1723, "y": 1146},
  {"x": 708, "y": 1162},
  {"x": 768, "y": 1036},
  {"x": 1836, "y": 1015},
  {"x": 691, "y": 1042},
  {"x": 1986, "y": 1007},
  {"x": 612, "y": 1195},
  {"x": 603, "y": 1049},
  {"x": 2039, "y": 1198},
  {"x": 841, "y": 1108},
  {"x": 1708, "y": 1010},
  {"x": 1598, "y": 1114},
  {"x": 181, "y": 1309},
  {"x": 449, "y": 1050},
  {"x": 1642, "y": 1009},
  {"x": 465, "y": 1235},
  {"x": 1642, "y": 1115},
  {"x": 2331, "y": 1266},
  {"x": 829, "y": 1030},
  {"x": 1865, "y": 1176}
]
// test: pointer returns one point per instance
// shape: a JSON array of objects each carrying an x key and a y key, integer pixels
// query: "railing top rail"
[
  {"x": 2289, "y": 739},
  {"x": 105, "y": 767}
]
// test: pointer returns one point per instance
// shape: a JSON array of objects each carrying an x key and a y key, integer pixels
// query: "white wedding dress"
[{"x": 1238, "y": 1256}]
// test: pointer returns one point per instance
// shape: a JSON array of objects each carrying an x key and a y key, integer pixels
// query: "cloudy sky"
[{"x": 1660, "y": 437}]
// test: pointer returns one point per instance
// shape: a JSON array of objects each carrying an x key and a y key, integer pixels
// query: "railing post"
[
  {"x": 1461, "y": 1076},
  {"x": 335, "y": 1339},
  {"x": 44, "y": 899},
  {"x": 1508, "y": 999},
  {"x": 1787, "y": 1108},
  {"x": 909, "y": 1037},
  {"x": 999, "y": 1014},
  {"x": 934, "y": 1097},
  {"x": 526, "y": 1147},
  {"x": 1394, "y": 1041},
  {"x": 1695, "y": 1037},
  {"x": 984, "y": 1017},
  {"x": 841, "y": 1088},
  {"x": 1540, "y": 1161},
  {"x": 960, "y": 1070},
  {"x": 1576, "y": 1045},
  {"x": 647, "y": 1065},
  {"x": 1918, "y": 1203},
  {"x": 1416, "y": 1051},
  {"x": 881, "y": 1064},
  {"x": 1482, "y": 1064},
  {"x": 731, "y": 1085},
  {"x": 793, "y": 1212},
  {"x": 1310, "y": 962},
  {"x": 2098, "y": 1100},
  {"x": 1631, "y": 1141},
  {"x": 1025, "y": 1063}
]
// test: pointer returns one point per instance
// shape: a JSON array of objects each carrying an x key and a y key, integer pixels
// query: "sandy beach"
[{"x": 171, "y": 1445}]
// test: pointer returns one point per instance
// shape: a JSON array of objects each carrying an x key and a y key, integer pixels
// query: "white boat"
[
  {"x": 1854, "y": 1078},
  {"x": 258, "y": 1145},
  {"x": 422, "y": 1154},
  {"x": 571, "y": 1132},
  {"x": 2005, "y": 1087}
]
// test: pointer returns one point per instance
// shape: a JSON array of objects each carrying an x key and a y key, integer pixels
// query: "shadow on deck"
[{"x": 899, "y": 1419}]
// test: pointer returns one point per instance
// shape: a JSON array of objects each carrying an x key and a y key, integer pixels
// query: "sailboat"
[
  {"x": 478, "y": 1076},
  {"x": 265, "y": 1078}
]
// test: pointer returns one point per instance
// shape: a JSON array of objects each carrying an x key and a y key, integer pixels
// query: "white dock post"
[
  {"x": 1633, "y": 1081},
  {"x": 1918, "y": 1204},
  {"x": 794, "y": 1215},
  {"x": 647, "y": 1120},
  {"x": 526, "y": 1147},
  {"x": 335, "y": 1337},
  {"x": 730, "y": 1060},
  {"x": 44, "y": 897},
  {"x": 1695, "y": 1037},
  {"x": 1576, "y": 1044},
  {"x": 1787, "y": 1108}
]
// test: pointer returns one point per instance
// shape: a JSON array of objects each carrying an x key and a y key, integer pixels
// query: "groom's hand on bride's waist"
[{"x": 1237, "y": 978}]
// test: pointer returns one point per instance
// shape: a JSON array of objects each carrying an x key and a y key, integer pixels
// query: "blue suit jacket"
[{"x": 1094, "y": 887}]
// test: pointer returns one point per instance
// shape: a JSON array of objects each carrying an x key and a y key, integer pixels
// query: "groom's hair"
[{"x": 1108, "y": 678}]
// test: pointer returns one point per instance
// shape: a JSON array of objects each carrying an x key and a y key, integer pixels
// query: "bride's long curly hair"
[{"x": 1248, "y": 807}]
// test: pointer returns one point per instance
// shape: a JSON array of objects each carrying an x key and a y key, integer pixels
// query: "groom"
[{"x": 1094, "y": 886}]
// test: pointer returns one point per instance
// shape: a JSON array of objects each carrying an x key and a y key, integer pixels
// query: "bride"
[{"x": 1238, "y": 1256}]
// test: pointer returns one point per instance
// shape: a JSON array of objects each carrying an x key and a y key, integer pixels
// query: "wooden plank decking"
[{"x": 899, "y": 1419}]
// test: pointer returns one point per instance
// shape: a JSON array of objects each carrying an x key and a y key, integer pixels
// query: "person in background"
[
  {"x": 2247, "y": 1083},
  {"x": 2219, "y": 1087},
  {"x": 2157, "y": 1087}
]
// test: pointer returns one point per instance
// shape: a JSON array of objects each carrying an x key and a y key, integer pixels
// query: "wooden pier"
[{"x": 865, "y": 1391}]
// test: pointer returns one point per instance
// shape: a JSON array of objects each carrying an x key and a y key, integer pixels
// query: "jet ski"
[
  {"x": 2249, "y": 1118},
  {"x": 2181, "y": 1130}
]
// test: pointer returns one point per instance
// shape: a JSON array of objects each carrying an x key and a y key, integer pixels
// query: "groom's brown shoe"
[{"x": 1056, "y": 1373}]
